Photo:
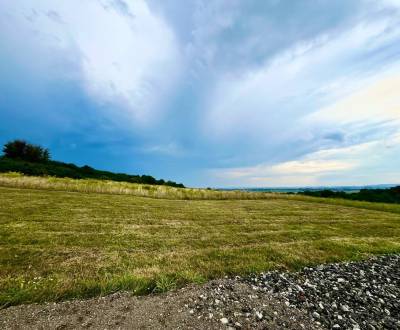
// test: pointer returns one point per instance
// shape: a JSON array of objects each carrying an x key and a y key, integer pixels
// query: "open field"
[{"x": 57, "y": 244}]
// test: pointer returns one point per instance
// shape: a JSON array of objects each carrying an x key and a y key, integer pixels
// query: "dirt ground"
[{"x": 173, "y": 310}]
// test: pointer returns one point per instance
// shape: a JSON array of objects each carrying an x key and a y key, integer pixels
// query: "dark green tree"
[{"x": 20, "y": 149}]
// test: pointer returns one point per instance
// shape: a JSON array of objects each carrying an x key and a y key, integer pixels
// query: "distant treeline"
[
  {"x": 20, "y": 156},
  {"x": 390, "y": 195}
]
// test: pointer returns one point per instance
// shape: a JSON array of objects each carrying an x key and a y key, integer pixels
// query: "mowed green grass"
[{"x": 58, "y": 245}]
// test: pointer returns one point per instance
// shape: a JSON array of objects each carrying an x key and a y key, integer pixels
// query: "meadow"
[{"x": 65, "y": 238}]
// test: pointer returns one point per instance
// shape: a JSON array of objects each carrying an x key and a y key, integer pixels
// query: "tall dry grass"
[{"x": 17, "y": 180}]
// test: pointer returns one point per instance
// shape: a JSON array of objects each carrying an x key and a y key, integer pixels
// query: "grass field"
[{"x": 56, "y": 244}]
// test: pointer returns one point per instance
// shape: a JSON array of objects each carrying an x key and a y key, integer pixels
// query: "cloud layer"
[{"x": 221, "y": 93}]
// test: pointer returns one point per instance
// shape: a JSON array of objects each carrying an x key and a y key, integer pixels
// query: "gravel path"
[
  {"x": 173, "y": 310},
  {"x": 359, "y": 295}
]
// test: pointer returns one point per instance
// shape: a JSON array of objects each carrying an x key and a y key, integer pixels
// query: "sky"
[{"x": 221, "y": 93}]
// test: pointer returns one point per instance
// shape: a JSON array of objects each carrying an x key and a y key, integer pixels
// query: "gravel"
[
  {"x": 353, "y": 295},
  {"x": 234, "y": 304}
]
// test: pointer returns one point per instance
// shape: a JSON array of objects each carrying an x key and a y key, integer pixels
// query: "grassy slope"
[{"x": 57, "y": 244}]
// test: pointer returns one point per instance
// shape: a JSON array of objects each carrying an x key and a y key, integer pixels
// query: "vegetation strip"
[
  {"x": 23, "y": 157},
  {"x": 387, "y": 195}
]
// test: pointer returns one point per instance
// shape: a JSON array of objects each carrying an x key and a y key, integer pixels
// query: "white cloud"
[
  {"x": 378, "y": 102},
  {"x": 168, "y": 149},
  {"x": 315, "y": 167},
  {"x": 366, "y": 163},
  {"x": 300, "y": 80},
  {"x": 306, "y": 170},
  {"x": 129, "y": 60},
  {"x": 395, "y": 3}
]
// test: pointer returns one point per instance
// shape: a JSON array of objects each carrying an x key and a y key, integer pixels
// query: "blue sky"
[{"x": 208, "y": 93}]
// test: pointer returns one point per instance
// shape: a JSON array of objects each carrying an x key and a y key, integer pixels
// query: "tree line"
[
  {"x": 30, "y": 159},
  {"x": 390, "y": 195}
]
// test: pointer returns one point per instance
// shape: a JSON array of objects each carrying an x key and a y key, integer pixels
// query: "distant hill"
[{"x": 20, "y": 156}]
